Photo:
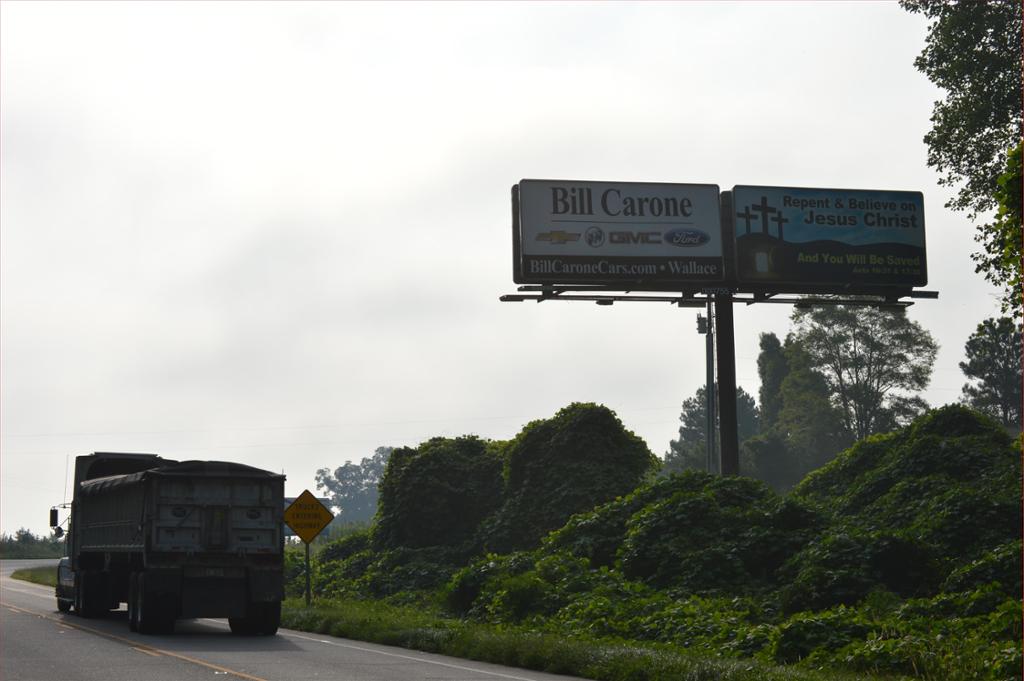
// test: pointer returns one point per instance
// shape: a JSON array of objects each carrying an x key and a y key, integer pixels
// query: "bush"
[
  {"x": 469, "y": 589},
  {"x": 514, "y": 597},
  {"x": 1002, "y": 566},
  {"x": 845, "y": 565},
  {"x": 805, "y": 633},
  {"x": 953, "y": 638},
  {"x": 715, "y": 535},
  {"x": 402, "y": 570},
  {"x": 340, "y": 549},
  {"x": 950, "y": 480},
  {"x": 295, "y": 570},
  {"x": 580, "y": 458},
  {"x": 465, "y": 586},
  {"x": 598, "y": 534},
  {"x": 901, "y": 557},
  {"x": 437, "y": 494}
]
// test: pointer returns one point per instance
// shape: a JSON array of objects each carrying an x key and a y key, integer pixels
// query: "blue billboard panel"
[{"x": 793, "y": 236}]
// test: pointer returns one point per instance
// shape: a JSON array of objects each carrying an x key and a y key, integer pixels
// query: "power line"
[{"x": 519, "y": 418}]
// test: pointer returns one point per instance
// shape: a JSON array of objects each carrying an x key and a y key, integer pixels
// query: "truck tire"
[
  {"x": 270, "y": 618},
  {"x": 152, "y": 616},
  {"x": 64, "y": 605},
  {"x": 261, "y": 619},
  {"x": 242, "y": 626}
]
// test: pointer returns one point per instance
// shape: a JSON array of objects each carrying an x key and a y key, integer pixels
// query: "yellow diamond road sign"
[{"x": 307, "y": 516}]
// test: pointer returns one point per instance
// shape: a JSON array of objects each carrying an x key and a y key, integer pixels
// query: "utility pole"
[{"x": 706, "y": 326}]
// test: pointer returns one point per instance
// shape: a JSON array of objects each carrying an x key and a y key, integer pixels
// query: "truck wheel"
[
  {"x": 260, "y": 619},
  {"x": 152, "y": 616},
  {"x": 63, "y": 605},
  {"x": 241, "y": 626},
  {"x": 270, "y": 618}
]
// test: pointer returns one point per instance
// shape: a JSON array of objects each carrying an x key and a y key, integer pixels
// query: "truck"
[{"x": 174, "y": 540}]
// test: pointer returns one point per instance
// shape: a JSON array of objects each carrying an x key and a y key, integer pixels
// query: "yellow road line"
[{"x": 141, "y": 647}]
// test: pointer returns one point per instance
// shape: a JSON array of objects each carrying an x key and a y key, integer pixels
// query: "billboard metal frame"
[{"x": 609, "y": 296}]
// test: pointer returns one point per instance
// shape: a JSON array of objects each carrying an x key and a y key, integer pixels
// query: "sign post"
[{"x": 307, "y": 517}]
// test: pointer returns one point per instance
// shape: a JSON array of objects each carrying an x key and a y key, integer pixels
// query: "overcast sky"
[{"x": 277, "y": 233}]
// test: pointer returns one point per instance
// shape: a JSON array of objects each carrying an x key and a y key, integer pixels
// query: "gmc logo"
[{"x": 634, "y": 237}]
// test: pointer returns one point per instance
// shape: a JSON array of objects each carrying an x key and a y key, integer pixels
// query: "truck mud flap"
[
  {"x": 265, "y": 586},
  {"x": 213, "y": 592},
  {"x": 164, "y": 586}
]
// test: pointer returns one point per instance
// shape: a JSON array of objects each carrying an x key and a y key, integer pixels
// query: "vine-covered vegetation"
[{"x": 902, "y": 557}]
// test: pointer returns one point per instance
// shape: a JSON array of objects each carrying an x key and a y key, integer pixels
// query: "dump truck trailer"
[{"x": 176, "y": 540}]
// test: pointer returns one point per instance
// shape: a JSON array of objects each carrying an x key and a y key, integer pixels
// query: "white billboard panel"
[{"x": 643, "y": 234}]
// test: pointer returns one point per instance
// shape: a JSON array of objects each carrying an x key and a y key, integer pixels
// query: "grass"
[
  {"x": 47, "y": 576},
  {"x": 600, "y": 659}
]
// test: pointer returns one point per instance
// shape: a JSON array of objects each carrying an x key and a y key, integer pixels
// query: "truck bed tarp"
[{"x": 185, "y": 468}]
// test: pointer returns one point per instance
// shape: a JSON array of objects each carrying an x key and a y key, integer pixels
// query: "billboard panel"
[
  {"x": 641, "y": 234},
  {"x": 829, "y": 237}
]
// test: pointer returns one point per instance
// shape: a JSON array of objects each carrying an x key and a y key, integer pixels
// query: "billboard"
[
  {"x": 636, "y": 234},
  {"x": 806, "y": 238}
]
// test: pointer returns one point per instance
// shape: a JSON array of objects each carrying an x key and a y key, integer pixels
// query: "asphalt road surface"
[{"x": 38, "y": 643}]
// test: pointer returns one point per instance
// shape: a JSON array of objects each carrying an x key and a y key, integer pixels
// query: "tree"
[
  {"x": 768, "y": 458},
  {"x": 993, "y": 368},
  {"x": 438, "y": 493},
  {"x": 353, "y": 487},
  {"x": 809, "y": 420},
  {"x": 806, "y": 431},
  {"x": 24, "y": 544},
  {"x": 1002, "y": 261},
  {"x": 772, "y": 369},
  {"x": 973, "y": 52},
  {"x": 690, "y": 450},
  {"x": 580, "y": 458},
  {"x": 873, "y": 362}
]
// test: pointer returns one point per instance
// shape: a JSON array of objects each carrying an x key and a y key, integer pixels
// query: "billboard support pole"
[{"x": 730, "y": 459}]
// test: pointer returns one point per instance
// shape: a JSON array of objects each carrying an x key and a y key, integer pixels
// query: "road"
[{"x": 38, "y": 643}]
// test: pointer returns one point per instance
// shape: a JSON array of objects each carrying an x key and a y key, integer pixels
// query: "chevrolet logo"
[{"x": 558, "y": 237}]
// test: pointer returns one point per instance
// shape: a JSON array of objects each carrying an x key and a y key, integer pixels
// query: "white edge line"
[
  {"x": 400, "y": 656},
  {"x": 414, "y": 658},
  {"x": 349, "y": 646}
]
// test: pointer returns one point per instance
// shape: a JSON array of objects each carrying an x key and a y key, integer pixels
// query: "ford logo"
[{"x": 686, "y": 237}]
